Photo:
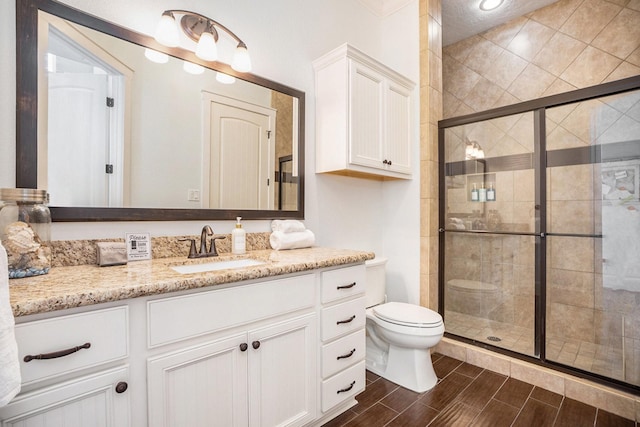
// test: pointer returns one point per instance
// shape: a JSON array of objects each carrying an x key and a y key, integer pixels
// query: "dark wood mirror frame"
[{"x": 27, "y": 118}]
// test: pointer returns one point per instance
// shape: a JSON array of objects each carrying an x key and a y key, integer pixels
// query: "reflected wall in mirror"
[{"x": 121, "y": 137}]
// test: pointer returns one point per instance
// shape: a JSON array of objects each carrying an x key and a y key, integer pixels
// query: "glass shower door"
[
  {"x": 593, "y": 240},
  {"x": 488, "y": 237}
]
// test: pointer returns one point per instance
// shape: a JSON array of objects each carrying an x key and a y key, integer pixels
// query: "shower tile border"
[{"x": 623, "y": 404}]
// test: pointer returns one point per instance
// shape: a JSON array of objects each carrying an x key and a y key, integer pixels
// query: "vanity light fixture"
[
  {"x": 490, "y": 4},
  {"x": 205, "y": 32}
]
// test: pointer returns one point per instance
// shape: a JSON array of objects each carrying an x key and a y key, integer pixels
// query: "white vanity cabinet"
[
  {"x": 73, "y": 371},
  {"x": 343, "y": 343},
  {"x": 259, "y": 367},
  {"x": 284, "y": 351},
  {"x": 363, "y": 116}
]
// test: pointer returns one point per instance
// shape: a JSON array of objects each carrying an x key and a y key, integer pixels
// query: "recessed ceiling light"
[{"x": 490, "y": 4}]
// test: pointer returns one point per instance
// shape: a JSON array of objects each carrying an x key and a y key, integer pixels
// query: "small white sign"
[{"x": 138, "y": 246}]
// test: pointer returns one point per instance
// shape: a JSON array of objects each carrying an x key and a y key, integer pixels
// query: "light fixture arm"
[{"x": 195, "y": 35}]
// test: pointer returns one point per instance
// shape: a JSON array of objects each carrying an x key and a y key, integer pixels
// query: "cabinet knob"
[
  {"x": 244, "y": 346},
  {"x": 121, "y": 387},
  {"x": 255, "y": 344},
  {"x": 385, "y": 162}
]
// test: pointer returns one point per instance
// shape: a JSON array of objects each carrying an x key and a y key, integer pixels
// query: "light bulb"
[
  {"x": 490, "y": 4},
  {"x": 225, "y": 78},
  {"x": 206, "y": 48},
  {"x": 192, "y": 68},
  {"x": 155, "y": 56},
  {"x": 241, "y": 60},
  {"x": 167, "y": 30}
]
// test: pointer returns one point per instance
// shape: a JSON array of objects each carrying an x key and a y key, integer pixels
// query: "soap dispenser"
[
  {"x": 474, "y": 193},
  {"x": 238, "y": 238}
]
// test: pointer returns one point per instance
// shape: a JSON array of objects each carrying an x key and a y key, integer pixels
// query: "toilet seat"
[{"x": 409, "y": 315}]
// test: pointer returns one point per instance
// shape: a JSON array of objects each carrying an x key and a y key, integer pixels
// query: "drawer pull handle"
[
  {"x": 56, "y": 354},
  {"x": 255, "y": 345},
  {"x": 347, "y": 286},
  {"x": 121, "y": 387},
  {"x": 339, "y": 322},
  {"x": 243, "y": 346},
  {"x": 344, "y": 390},
  {"x": 346, "y": 356}
]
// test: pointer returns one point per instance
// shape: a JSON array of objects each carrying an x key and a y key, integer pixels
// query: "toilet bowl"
[
  {"x": 399, "y": 336},
  {"x": 473, "y": 297}
]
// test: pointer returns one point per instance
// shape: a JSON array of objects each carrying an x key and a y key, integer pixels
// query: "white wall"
[{"x": 284, "y": 37}]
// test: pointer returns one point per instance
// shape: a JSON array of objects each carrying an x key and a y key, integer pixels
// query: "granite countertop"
[{"x": 75, "y": 286}]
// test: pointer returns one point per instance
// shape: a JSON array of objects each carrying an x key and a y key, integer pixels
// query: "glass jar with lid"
[{"x": 25, "y": 231}]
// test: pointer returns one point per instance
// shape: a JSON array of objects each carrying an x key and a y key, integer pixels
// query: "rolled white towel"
[
  {"x": 296, "y": 240},
  {"x": 9, "y": 364},
  {"x": 287, "y": 225}
]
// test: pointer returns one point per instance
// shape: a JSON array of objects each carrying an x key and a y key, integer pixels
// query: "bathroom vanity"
[{"x": 279, "y": 343}]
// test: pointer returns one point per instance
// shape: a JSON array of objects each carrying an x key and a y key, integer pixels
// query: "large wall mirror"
[{"x": 115, "y": 136}]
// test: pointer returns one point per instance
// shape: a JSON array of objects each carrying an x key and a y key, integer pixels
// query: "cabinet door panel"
[
  {"x": 282, "y": 373},
  {"x": 88, "y": 401},
  {"x": 366, "y": 121},
  {"x": 195, "y": 386},
  {"x": 398, "y": 128}
]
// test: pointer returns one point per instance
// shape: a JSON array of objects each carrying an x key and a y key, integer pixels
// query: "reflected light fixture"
[
  {"x": 205, "y": 32},
  {"x": 155, "y": 56},
  {"x": 192, "y": 68},
  {"x": 490, "y": 4},
  {"x": 473, "y": 150},
  {"x": 225, "y": 78}
]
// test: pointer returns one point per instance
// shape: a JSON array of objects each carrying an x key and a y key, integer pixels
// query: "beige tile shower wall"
[
  {"x": 430, "y": 113},
  {"x": 568, "y": 45}
]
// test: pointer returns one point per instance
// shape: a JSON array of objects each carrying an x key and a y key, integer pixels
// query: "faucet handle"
[
  {"x": 192, "y": 249},
  {"x": 212, "y": 249}
]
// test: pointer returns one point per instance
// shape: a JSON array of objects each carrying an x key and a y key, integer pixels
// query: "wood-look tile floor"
[{"x": 467, "y": 395}]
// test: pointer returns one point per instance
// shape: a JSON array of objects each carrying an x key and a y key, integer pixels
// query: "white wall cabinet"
[{"x": 363, "y": 116}]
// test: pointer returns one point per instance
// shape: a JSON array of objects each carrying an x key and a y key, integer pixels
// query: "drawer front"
[
  {"x": 343, "y": 318},
  {"x": 343, "y": 353},
  {"x": 342, "y": 283},
  {"x": 343, "y": 386},
  {"x": 211, "y": 311},
  {"x": 107, "y": 332}
]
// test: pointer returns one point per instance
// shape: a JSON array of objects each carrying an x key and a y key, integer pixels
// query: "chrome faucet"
[{"x": 206, "y": 231}]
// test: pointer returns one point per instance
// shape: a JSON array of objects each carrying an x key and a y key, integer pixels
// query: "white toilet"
[{"x": 399, "y": 335}]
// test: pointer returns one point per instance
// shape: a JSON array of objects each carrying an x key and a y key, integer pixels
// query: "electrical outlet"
[{"x": 193, "y": 195}]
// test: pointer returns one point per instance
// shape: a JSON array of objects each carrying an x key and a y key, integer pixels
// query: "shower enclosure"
[{"x": 540, "y": 231}]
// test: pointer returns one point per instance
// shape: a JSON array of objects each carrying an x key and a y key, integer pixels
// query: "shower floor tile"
[{"x": 614, "y": 358}]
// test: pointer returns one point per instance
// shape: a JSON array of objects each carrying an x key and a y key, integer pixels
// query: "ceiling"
[{"x": 463, "y": 18}]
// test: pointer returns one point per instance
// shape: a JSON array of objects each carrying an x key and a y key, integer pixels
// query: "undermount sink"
[{"x": 216, "y": 265}]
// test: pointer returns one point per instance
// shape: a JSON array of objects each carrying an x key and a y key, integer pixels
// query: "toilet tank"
[{"x": 376, "y": 281}]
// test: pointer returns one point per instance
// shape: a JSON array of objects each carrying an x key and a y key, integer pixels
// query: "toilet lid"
[{"x": 407, "y": 314}]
